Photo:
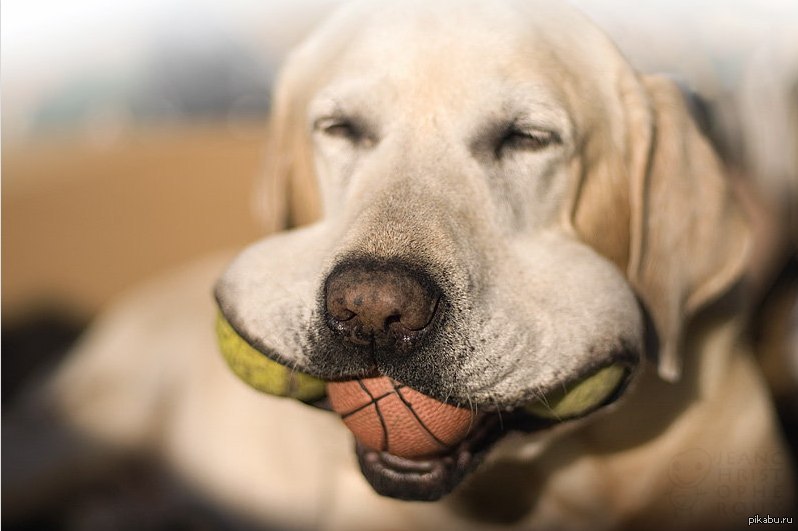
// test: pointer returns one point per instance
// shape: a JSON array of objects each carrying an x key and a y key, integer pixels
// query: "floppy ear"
[
  {"x": 286, "y": 195},
  {"x": 688, "y": 237}
]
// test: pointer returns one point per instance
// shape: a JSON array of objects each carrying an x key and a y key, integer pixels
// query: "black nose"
[{"x": 389, "y": 306}]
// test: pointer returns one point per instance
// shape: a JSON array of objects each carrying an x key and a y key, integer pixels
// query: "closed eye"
[
  {"x": 343, "y": 128},
  {"x": 516, "y": 139},
  {"x": 340, "y": 127}
]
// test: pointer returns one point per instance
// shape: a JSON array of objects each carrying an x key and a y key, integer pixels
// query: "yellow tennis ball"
[
  {"x": 581, "y": 397},
  {"x": 262, "y": 373}
]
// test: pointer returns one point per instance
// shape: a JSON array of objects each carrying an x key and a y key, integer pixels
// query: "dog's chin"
[
  {"x": 413, "y": 479},
  {"x": 431, "y": 478}
]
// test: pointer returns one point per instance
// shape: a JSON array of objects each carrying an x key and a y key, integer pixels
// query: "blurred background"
[{"x": 133, "y": 133}]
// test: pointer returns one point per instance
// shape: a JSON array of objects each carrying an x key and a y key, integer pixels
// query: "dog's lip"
[{"x": 430, "y": 478}]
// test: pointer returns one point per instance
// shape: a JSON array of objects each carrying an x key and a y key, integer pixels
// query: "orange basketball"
[{"x": 388, "y": 416}]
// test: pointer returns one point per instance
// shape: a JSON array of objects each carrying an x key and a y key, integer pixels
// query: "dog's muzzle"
[{"x": 387, "y": 319}]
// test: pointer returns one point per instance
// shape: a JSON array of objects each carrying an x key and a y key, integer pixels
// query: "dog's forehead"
[{"x": 468, "y": 49}]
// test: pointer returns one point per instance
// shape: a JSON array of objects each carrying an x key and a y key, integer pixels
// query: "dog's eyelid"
[
  {"x": 549, "y": 135},
  {"x": 343, "y": 127},
  {"x": 335, "y": 126},
  {"x": 520, "y": 137},
  {"x": 327, "y": 122}
]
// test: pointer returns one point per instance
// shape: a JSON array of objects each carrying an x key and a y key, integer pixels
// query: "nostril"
[
  {"x": 393, "y": 320},
  {"x": 419, "y": 315},
  {"x": 342, "y": 314},
  {"x": 389, "y": 305}
]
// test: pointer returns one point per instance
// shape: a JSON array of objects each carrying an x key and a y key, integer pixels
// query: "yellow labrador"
[{"x": 546, "y": 212}]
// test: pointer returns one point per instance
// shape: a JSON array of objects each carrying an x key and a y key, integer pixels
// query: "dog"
[{"x": 534, "y": 211}]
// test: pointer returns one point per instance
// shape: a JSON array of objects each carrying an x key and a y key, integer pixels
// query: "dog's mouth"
[{"x": 433, "y": 475}]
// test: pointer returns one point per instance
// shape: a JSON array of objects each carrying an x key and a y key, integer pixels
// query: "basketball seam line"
[
  {"x": 421, "y": 422},
  {"x": 364, "y": 406},
  {"x": 379, "y": 415}
]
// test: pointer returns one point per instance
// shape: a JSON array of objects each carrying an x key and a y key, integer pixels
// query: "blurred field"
[{"x": 82, "y": 220}]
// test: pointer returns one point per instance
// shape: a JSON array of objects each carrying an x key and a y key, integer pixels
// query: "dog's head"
[{"x": 504, "y": 204}]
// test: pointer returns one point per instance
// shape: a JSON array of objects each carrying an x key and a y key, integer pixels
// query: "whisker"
[
  {"x": 498, "y": 411},
  {"x": 543, "y": 400}
]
